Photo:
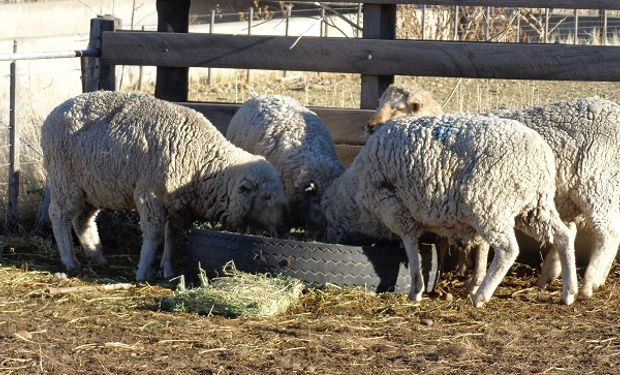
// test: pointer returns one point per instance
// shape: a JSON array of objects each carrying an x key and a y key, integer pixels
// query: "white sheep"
[
  {"x": 584, "y": 135},
  {"x": 110, "y": 150},
  {"x": 297, "y": 143},
  {"x": 459, "y": 177}
]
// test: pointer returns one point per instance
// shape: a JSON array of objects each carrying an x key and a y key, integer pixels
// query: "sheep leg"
[
  {"x": 506, "y": 248},
  {"x": 481, "y": 254},
  {"x": 464, "y": 260},
  {"x": 169, "y": 244},
  {"x": 551, "y": 269},
  {"x": 61, "y": 227},
  {"x": 415, "y": 266},
  {"x": 563, "y": 239},
  {"x": 152, "y": 223},
  {"x": 396, "y": 217},
  {"x": 602, "y": 258},
  {"x": 85, "y": 227}
]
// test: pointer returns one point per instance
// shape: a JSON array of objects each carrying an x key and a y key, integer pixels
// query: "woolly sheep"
[
  {"x": 110, "y": 150},
  {"x": 459, "y": 177},
  {"x": 298, "y": 144},
  {"x": 584, "y": 135}
]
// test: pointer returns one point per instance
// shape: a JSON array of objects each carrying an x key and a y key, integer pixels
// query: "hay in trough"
[{"x": 237, "y": 294}]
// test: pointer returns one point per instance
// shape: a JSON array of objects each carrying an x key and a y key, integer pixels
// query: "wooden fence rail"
[
  {"x": 377, "y": 57},
  {"x": 558, "y": 4},
  {"x": 366, "y": 56}
]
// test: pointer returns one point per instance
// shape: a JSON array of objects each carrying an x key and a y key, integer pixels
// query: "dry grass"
[
  {"x": 236, "y": 294},
  {"x": 331, "y": 331}
]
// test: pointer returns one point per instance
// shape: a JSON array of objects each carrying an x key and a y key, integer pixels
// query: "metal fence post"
[
  {"x": 423, "y": 20},
  {"x": 603, "y": 16},
  {"x": 456, "y": 22},
  {"x": 211, "y": 24},
  {"x": 140, "y": 71},
  {"x": 576, "y": 38},
  {"x": 14, "y": 168},
  {"x": 321, "y": 31},
  {"x": 286, "y": 25},
  {"x": 250, "y": 16},
  {"x": 518, "y": 37},
  {"x": 546, "y": 36},
  {"x": 487, "y": 23},
  {"x": 359, "y": 18}
]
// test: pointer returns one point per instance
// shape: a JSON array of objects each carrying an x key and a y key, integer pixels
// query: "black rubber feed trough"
[{"x": 378, "y": 268}]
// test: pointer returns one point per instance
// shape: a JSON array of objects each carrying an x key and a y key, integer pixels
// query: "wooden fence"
[{"x": 377, "y": 57}]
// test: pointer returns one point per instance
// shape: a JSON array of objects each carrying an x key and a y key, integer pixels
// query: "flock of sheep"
[{"x": 471, "y": 179}]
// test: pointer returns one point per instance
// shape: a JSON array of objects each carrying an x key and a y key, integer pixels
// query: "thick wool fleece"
[
  {"x": 297, "y": 142},
  {"x": 584, "y": 135},
  {"x": 461, "y": 177},
  {"x": 123, "y": 151}
]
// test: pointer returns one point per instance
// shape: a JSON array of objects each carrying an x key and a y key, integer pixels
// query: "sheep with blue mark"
[
  {"x": 461, "y": 177},
  {"x": 584, "y": 135}
]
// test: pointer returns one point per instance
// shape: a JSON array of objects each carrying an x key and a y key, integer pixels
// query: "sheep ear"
[
  {"x": 311, "y": 188},
  {"x": 246, "y": 185}
]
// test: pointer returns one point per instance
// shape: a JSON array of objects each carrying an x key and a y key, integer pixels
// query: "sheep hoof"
[
  {"x": 72, "y": 267},
  {"x": 169, "y": 272},
  {"x": 413, "y": 296},
  {"x": 567, "y": 298},
  {"x": 542, "y": 282},
  {"x": 144, "y": 275},
  {"x": 97, "y": 258},
  {"x": 586, "y": 292},
  {"x": 472, "y": 287},
  {"x": 478, "y": 300}
]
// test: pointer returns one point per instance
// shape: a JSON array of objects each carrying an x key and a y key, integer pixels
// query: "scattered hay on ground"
[{"x": 237, "y": 294}]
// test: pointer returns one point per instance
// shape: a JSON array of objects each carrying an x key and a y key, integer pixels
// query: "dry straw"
[{"x": 237, "y": 294}]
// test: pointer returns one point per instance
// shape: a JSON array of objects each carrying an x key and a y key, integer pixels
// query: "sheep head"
[{"x": 398, "y": 101}]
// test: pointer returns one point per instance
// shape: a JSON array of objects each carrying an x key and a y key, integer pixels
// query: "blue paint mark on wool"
[{"x": 442, "y": 132}]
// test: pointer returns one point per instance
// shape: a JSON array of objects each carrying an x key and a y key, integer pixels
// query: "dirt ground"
[{"x": 331, "y": 331}]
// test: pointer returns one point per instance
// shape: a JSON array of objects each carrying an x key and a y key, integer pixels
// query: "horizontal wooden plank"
[
  {"x": 346, "y": 153},
  {"x": 567, "y": 4},
  {"x": 365, "y": 56},
  {"x": 346, "y": 126}
]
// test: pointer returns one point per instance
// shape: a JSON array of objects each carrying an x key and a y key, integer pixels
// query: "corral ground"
[{"x": 333, "y": 331}]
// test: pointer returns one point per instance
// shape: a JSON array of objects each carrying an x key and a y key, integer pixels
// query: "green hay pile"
[{"x": 237, "y": 294}]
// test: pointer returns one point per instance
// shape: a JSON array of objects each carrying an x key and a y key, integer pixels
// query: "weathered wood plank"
[
  {"x": 379, "y": 23},
  {"x": 366, "y": 56},
  {"x": 95, "y": 75},
  {"x": 346, "y": 153},
  {"x": 346, "y": 126},
  {"x": 566, "y": 4},
  {"x": 172, "y": 82}
]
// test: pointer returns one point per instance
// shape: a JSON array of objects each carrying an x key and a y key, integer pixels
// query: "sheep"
[
  {"x": 463, "y": 178},
  {"x": 297, "y": 142},
  {"x": 584, "y": 135},
  {"x": 110, "y": 150},
  {"x": 399, "y": 101}
]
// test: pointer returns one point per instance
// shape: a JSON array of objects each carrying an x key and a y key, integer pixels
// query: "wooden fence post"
[
  {"x": 13, "y": 193},
  {"x": 95, "y": 75},
  {"x": 379, "y": 23},
  {"x": 173, "y": 17}
]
